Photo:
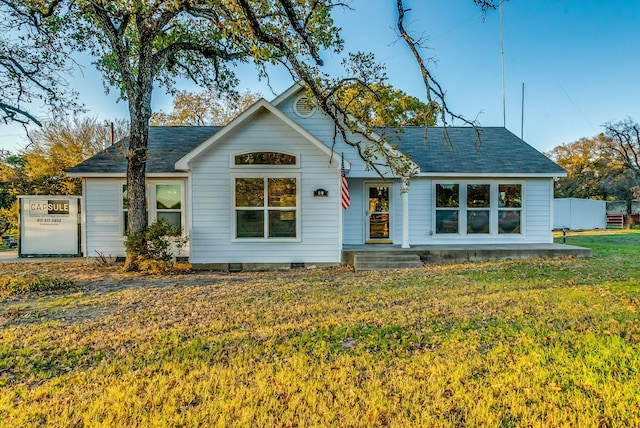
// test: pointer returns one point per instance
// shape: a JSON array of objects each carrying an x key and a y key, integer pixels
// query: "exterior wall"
[
  {"x": 103, "y": 215},
  {"x": 212, "y": 234},
  {"x": 579, "y": 214},
  {"x": 102, "y": 218},
  {"x": 322, "y": 128},
  {"x": 536, "y": 214},
  {"x": 353, "y": 217}
]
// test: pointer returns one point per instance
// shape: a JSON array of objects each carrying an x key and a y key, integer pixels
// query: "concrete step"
[{"x": 386, "y": 261}]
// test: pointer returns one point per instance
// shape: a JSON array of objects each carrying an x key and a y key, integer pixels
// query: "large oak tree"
[{"x": 139, "y": 44}]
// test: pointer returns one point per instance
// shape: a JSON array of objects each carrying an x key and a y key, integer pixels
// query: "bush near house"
[{"x": 542, "y": 342}]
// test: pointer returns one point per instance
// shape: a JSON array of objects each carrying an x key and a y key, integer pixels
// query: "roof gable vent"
[{"x": 303, "y": 107}]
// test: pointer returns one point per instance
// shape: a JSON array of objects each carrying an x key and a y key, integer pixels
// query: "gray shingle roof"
[
  {"x": 499, "y": 151},
  {"x": 167, "y": 144}
]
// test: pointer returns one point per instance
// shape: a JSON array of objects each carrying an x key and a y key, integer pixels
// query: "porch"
[{"x": 383, "y": 256}]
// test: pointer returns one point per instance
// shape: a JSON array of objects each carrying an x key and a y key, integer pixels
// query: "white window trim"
[
  {"x": 150, "y": 195},
  {"x": 493, "y": 210},
  {"x": 153, "y": 207},
  {"x": 264, "y": 174},
  {"x": 232, "y": 160}
]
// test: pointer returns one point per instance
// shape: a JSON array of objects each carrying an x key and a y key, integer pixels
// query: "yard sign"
[{"x": 49, "y": 225}]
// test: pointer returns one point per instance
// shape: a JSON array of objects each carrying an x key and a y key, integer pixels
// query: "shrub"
[{"x": 156, "y": 246}]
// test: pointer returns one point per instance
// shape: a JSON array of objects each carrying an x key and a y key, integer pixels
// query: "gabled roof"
[
  {"x": 167, "y": 144},
  {"x": 261, "y": 105},
  {"x": 499, "y": 152}
]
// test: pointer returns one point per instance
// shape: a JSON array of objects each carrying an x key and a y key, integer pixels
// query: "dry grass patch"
[{"x": 517, "y": 343}]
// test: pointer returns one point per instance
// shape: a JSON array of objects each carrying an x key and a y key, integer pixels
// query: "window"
[
  {"x": 264, "y": 158},
  {"x": 509, "y": 208},
  {"x": 468, "y": 208},
  {"x": 169, "y": 204},
  {"x": 447, "y": 208},
  {"x": 266, "y": 207},
  {"x": 125, "y": 207},
  {"x": 164, "y": 202},
  {"x": 478, "y": 208}
]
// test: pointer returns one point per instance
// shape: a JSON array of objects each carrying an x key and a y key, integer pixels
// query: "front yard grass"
[{"x": 542, "y": 342}]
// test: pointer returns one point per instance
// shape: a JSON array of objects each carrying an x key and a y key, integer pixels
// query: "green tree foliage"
[
  {"x": 585, "y": 168},
  {"x": 605, "y": 167},
  {"x": 39, "y": 168},
  {"x": 205, "y": 108},
  {"x": 137, "y": 45},
  {"x": 33, "y": 65},
  {"x": 11, "y": 184},
  {"x": 383, "y": 106},
  {"x": 61, "y": 145},
  {"x": 622, "y": 147},
  {"x": 141, "y": 44}
]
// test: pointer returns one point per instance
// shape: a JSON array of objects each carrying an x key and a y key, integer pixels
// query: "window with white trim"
[
  {"x": 447, "y": 207},
  {"x": 266, "y": 207},
  {"x": 478, "y": 208},
  {"x": 472, "y": 208},
  {"x": 164, "y": 202},
  {"x": 509, "y": 208},
  {"x": 169, "y": 204}
]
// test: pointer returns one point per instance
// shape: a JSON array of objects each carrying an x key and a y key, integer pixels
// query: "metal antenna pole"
[
  {"x": 504, "y": 101},
  {"x": 522, "y": 117}
]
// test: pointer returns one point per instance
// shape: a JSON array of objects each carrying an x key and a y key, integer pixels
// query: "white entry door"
[{"x": 378, "y": 213}]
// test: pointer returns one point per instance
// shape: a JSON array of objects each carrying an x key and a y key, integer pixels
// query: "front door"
[{"x": 377, "y": 215}]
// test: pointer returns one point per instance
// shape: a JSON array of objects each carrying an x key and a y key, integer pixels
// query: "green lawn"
[{"x": 544, "y": 342}]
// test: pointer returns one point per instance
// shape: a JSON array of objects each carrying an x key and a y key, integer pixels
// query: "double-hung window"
[
  {"x": 266, "y": 201},
  {"x": 509, "y": 208},
  {"x": 169, "y": 204},
  {"x": 447, "y": 207},
  {"x": 478, "y": 208},
  {"x": 164, "y": 202}
]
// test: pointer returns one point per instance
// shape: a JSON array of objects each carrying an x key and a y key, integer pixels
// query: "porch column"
[{"x": 404, "y": 192}]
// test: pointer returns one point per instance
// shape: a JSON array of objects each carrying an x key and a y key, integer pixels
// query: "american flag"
[{"x": 345, "y": 199}]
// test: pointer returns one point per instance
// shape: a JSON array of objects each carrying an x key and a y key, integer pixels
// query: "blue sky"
[{"x": 577, "y": 59}]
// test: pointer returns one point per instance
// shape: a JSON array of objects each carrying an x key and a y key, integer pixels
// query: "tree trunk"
[{"x": 139, "y": 112}]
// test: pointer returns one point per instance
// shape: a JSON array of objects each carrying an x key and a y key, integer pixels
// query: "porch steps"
[{"x": 387, "y": 260}]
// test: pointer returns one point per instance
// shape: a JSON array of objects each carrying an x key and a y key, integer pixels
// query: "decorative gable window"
[{"x": 265, "y": 158}]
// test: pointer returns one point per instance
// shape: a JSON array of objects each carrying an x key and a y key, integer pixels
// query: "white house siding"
[
  {"x": 536, "y": 217},
  {"x": 353, "y": 217},
  {"x": 420, "y": 212},
  {"x": 212, "y": 227},
  {"x": 103, "y": 211},
  {"x": 539, "y": 203},
  {"x": 322, "y": 127}
]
